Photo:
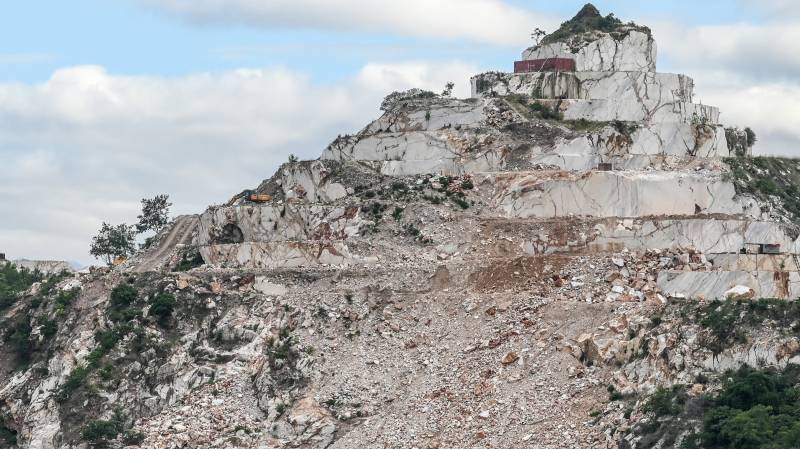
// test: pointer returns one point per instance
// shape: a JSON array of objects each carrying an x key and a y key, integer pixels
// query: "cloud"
[
  {"x": 492, "y": 21},
  {"x": 86, "y": 145},
  {"x": 760, "y": 51},
  {"x": 749, "y": 70},
  {"x": 772, "y": 109}
]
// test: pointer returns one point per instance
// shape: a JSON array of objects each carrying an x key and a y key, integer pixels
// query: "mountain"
[{"x": 575, "y": 256}]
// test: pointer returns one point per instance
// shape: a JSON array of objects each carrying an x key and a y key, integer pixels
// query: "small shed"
[
  {"x": 545, "y": 65},
  {"x": 605, "y": 166},
  {"x": 762, "y": 248}
]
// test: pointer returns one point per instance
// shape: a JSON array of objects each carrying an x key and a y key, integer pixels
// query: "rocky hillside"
[{"x": 581, "y": 259}]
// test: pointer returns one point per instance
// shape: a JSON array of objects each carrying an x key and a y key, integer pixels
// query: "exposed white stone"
[
  {"x": 276, "y": 254},
  {"x": 313, "y": 180},
  {"x": 264, "y": 286},
  {"x": 712, "y": 285},
  {"x": 635, "y": 52},
  {"x": 622, "y": 86},
  {"x": 707, "y": 235},
  {"x": 281, "y": 222},
  {"x": 45, "y": 267},
  {"x": 611, "y": 194}
]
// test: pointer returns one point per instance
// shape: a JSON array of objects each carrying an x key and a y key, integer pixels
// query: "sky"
[{"x": 105, "y": 102}]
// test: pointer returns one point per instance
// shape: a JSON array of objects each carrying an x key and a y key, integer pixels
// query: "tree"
[
  {"x": 155, "y": 214},
  {"x": 448, "y": 89},
  {"x": 751, "y": 136},
  {"x": 113, "y": 241},
  {"x": 538, "y": 34}
]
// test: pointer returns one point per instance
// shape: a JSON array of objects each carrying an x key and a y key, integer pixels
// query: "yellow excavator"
[{"x": 250, "y": 196}]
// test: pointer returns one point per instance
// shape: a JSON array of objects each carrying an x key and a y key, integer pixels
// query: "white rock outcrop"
[{"x": 633, "y": 52}]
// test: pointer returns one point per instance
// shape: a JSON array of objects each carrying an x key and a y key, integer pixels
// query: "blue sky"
[{"x": 109, "y": 101}]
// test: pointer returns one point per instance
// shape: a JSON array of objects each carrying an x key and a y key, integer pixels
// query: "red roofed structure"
[{"x": 545, "y": 65}]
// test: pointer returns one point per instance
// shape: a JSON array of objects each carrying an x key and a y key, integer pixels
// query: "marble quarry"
[{"x": 610, "y": 141}]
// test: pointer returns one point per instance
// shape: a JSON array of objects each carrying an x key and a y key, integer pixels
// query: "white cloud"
[
  {"x": 749, "y": 70},
  {"x": 492, "y": 21},
  {"x": 765, "y": 51},
  {"x": 86, "y": 145}
]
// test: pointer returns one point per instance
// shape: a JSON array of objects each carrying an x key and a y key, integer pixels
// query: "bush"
[
  {"x": 189, "y": 260},
  {"x": 20, "y": 341},
  {"x": 461, "y": 202},
  {"x": 546, "y": 112},
  {"x": 122, "y": 297},
  {"x": 13, "y": 281},
  {"x": 131, "y": 438},
  {"x": 665, "y": 402},
  {"x": 65, "y": 298},
  {"x": 8, "y": 437},
  {"x": 75, "y": 380},
  {"x": 162, "y": 307},
  {"x": 100, "y": 431}
]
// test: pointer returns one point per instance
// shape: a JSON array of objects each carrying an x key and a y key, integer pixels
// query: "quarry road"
[{"x": 180, "y": 233}]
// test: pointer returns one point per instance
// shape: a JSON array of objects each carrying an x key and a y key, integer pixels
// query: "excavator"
[{"x": 250, "y": 196}]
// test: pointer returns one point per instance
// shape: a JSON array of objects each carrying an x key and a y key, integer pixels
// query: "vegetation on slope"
[
  {"x": 590, "y": 20},
  {"x": 729, "y": 322},
  {"x": 754, "y": 409},
  {"x": 13, "y": 282},
  {"x": 772, "y": 180}
]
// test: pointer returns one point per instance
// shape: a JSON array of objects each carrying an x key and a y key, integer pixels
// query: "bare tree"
[
  {"x": 448, "y": 89},
  {"x": 538, "y": 34}
]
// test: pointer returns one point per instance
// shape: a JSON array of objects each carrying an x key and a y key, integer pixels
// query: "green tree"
[
  {"x": 113, "y": 241},
  {"x": 155, "y": 214},
  {"x": 162, "y": 307}
]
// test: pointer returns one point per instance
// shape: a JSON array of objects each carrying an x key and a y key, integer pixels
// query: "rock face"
[
  {"x": 599, "y": 44},
  {"x": 476, "y": 272},
  {"x": 611, "y": 139},
  {"x": 46, "y": 267}
]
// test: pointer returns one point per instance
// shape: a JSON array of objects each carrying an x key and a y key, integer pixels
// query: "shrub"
[
  {"x": 398, "y": 213},
  {"x": 189, "y": 260},
  {"x": 75, "y": 380},
  {"x": 100, "y": 431},
  {"x": 8, "y": 436},
  {"x": 122, "y": 297},
  {"x": 20, "y": 341},
  {"x": 461, "y": 202},
  {"x": 49, "y": 328},
  {"x": 162, "y": 307},
  {"x": 665, "y": 402},
  {"x": 13, "y": 281},
  {"x": 65, "y": 298},
  {"x": 132, "y": 438}
]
